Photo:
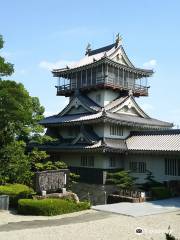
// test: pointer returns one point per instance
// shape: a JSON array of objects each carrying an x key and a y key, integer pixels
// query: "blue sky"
[{"x": 43, "y": 34}]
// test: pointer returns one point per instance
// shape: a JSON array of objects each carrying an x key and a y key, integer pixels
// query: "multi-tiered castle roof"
[{"x": 108, "y": 72}]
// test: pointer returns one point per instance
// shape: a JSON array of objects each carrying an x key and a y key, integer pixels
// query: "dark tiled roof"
[
  {"x": 130, "y": 119},
  {"x": 145, "y": 141},
  {"x": 89, "y": 102},
  {"x": 115, "y": 143},
  {"x": 106, "y": 144},
  {"x": 156, "y": 132},
  {"x": 168, "y": 140},
  {"x": 102, "y": 49},
  {"x": 124, "y": 119},
  {"x": 116, "y": 102},
  {"x": 70, "y": 118}
]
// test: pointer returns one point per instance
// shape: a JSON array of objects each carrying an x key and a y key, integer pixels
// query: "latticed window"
[
  {"x": 172, "y": 167},
  {"x": 138, "y": 167},
  {"x": 116, "y": 130},
  {"x": 87, "y": 161},
  {"x": 112, "y": 162}
]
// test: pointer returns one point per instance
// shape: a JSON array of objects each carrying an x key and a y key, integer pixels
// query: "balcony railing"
[{"x": 105, "y": 82}]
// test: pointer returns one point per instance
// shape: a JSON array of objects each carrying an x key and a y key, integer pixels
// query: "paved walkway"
[
  {"x": 86, "y": 217},
  {"x": 89, "y": 225},
  {"x": 141, "y": 209}
]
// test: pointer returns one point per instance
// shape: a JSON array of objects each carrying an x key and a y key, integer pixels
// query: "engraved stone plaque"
[{"x": 51, "y": 180}]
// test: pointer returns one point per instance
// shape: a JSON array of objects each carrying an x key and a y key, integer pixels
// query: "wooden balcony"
[{"x": 67, "y": 89}]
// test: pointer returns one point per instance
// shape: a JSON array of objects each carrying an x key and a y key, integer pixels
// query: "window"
[
  {"x": 172, "y": 167},
  {"x": 116, "y": 130},
  {"x": 84, "y": 161},
  {"x": 138, "y": 167},
  {"x": 87, "y": 161},
  {"x": 112, "y": 162}
]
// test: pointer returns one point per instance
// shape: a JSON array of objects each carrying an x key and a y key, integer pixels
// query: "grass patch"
[
  {"x": 50, "y": 207},
  {"x": 16, "y": 192}
]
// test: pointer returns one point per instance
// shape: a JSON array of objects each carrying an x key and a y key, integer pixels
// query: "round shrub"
[
  {"x": 16, "y": 192},
  {"x": 49, "y": 207}
]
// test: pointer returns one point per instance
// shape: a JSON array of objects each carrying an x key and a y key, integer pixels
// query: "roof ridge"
[
  {"x": 89, "y": 99},
  {"x": 155, "y": 132},
  {"x": 119, "y": 100},
  {"x": 102, "y": 49}
]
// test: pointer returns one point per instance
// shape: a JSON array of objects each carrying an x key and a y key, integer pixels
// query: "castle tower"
[{"x": 95, "y": 128}]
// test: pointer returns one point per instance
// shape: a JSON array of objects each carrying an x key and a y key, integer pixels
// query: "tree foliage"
[
  {"x": 122, "y": 179},
  {"x": 19, "y": 112},
  {"x": 19, "y": 117},
  {"x": 6, "y": 68},
  {"x": 15, "y": 165}
]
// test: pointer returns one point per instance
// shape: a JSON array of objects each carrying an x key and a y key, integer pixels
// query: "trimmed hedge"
[
  {"x": 160, "y": 192},
  {"x": 49, "y": 207},
  {"x": 16, "y": 192}
]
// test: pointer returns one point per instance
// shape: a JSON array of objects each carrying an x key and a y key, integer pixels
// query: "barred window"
[
  {"x": 116, "y": 130},
  {"x": 87, "y": 161},
  {"x": 172, "y": 167},
  {"x": 112, "y": 162},
  {"x": 138, "y": 167}
]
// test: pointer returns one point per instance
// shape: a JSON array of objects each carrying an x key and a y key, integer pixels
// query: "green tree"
[
  {"x": 19, "y": 128},
  {"x": 19, "y": 116},
  {"x": 122, "y": 179},
  {"x": 14, "y": 164},
  {"x": 6, "y": 69}
]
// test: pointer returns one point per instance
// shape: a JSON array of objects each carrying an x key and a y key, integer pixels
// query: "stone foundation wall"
[{"x": 95, "y": 193}]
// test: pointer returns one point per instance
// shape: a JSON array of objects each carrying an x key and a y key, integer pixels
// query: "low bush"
[
  {"x": 50, "y": 207},
  {"x": 150, "y": 182},
  {"x": 16, "y": 192},
  {"x": 160, "y": 192}
]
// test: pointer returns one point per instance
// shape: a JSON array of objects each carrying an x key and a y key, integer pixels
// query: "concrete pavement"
[{"x": 141, "y": 209}]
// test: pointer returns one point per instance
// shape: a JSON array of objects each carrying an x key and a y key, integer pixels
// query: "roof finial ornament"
[
  {"x": 118, "y": 40},
  {"x": 88, "y": 48}
]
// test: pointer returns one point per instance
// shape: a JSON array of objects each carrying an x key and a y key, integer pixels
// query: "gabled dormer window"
[{"x": 116, "y": 130}]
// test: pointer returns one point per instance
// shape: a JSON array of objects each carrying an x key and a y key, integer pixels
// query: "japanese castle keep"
[{"x": 103, "y": 128}]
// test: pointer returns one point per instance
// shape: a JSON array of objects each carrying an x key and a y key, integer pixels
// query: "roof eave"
[{"x": 145, "y": 72}]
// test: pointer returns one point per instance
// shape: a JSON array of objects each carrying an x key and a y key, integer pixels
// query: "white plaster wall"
[
  {"x": 74, "y": 159},
  {"x": 155, "y": 164},
  {"x": 126, "y": 132},
  {"x": 99, "y": 129},
  {"x": 101, "y": 160},
  {"x": 103, "y": 130},
  {"x": 106, "y": 96},
  {"x": 109, "y": 96}
]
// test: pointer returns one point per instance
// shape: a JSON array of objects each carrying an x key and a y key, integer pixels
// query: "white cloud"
[
  {"x": 53, "y": 65},
  {"x": 150, "y": 63}
]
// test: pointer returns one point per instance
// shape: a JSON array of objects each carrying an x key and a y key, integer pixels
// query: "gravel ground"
[{"x": 87, "y": 225}]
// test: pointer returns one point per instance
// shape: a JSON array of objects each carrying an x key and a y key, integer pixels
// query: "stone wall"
[{"x": 95, "y": 193}]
